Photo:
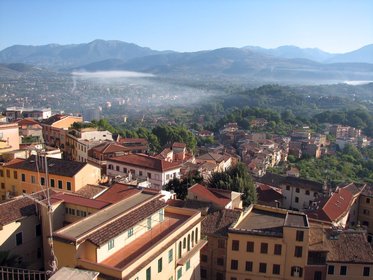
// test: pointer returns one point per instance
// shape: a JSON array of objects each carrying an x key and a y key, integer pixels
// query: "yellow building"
[
  {"x": 267, "y": 243},
  {"x": 366, "y": 211},
  {"x": 139, "y": 237},
  {"x": 28, "y": 176}
]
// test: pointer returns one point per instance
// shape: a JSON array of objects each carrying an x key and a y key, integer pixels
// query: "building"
[
  {"x": 55, "y": 130},
  {"x": 219, "y": 198},
  {"x": 366, "y": 210},
  {"x": 136, "y": 238},
  {"x": 339, "y": 131},
  {"x": 14, "y": 113},
  {"x": 267, "y": 243},
  {"x": 134, "y": 145},
  {"x": 30, "y": 128},
  {"x": 21, "y": 232},
  {"x": 139, "y": 166},
  {"x": 223, "y": 161},
  {"x": 9, "y": 137},
  {"x": 268, "y": 195},
  {"x": 28, "y": 175}
]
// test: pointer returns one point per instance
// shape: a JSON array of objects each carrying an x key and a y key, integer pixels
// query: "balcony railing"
[{"x": 12, "y": 273}]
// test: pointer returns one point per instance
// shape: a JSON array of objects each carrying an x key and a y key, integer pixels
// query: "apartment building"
[
  {"x": 267, "y": 243},
  {"x": 28, "y": 175},
  {"x": 136, "y": 238},
  {"x": 157, "y": 171},
  {"x": 9, "y": 137},
  {"x": 13, "y": 113},
  {"x": 365, "y": 216}
]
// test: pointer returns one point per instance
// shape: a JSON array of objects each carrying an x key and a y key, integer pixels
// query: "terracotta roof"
[
  {"x": 178, "y": 145},
  {"x": 353, "y": 188},
  {"x": 368, "y": 191},
  {"x": 78, "y": 200},
  {"x": 217, "y": 223},
  {"x": 208, "y": 195},
  {"x": 109, "y": 147},
  {"x": 211, "y": 156},
  {"x": 145, "y": 161},
  {"x": 14, "y": 161},
  {"x": 27, "y": 121},
  {"x": 349, "y": 247},
  {"x": 18, "y": 208},
  {"x": 66, "y": 168},
  {"x": 90, "y": 191},
  {"x": 118, "y": 192},
  {"x": 127, "y": 221},
  {"x": 268, "y": 193}
]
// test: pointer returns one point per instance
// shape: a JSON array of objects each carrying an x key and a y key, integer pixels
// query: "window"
[
  {"x": 300, "y": 235},
  {"x": 78, "y": 213},
  {"x": 179, "y": 273},
  {"x": 33, "y": 179},
  {"x": 149, "y": 223},
  {"x": 8, "y": 173},
  {"x": 235, "y": 245},
  {"x": 188, "y": 242},
  {"x": 296, "y": 199},
  {"x": 296, "y": 271},
  {"x": 1, "y": 173},
  {"x": 298, "y": 251},
  {"x": 343, "y": 270},
  {"x": 366, "y": 271},
  {"x": 276, "y": 269},
  {"x": 110, "y": 166},
  {"x": 149, "y": 175},
  {"x": 262, "y": 267},
  {"x": 130, "y": 232},
  {"x": 3, "y": 185},
  {"x": 203, "y": 258},
  {"x": 179, "y": 249},
  {"x": 365, "y": 223},
  {"x": 23, "y": 177},
  {"x": 250, "y": 246},
  {"x": 219, "y": 276},
  {"x": 52, "y": 183},
  {"x": 117, "y": 168},
  {"x": 317, "y": 275},
  {"x": 68, "y": 186},
  {"x": 234, "y": 264},
  {"x": 42, "y": 181},
  {"x": 220, "y": 261},
  {"x": 187, "y": 265},
  {"x": 288, "y": 188},
  {"x": 366, "y": 212},
  {"x": 196, "y": 236},
  {"x": 192, "y": 237},
  {"x": 149, "y": 273},
  {"x": 203, "y": 273},
  {"x": 170, "y": 255},
  {"x": 249, "y": 266},
  {"x": 19, "y": 238},
  {"x": 184, "y": 243},
  {"x": 160, "y": 263},
  {"x": 221, "y": 243},
  {"x": 277, "y": 249},
  {"x": 15, "y": 175},
  {"x": 307, "y": 192},
  {"x": 264, "y": 248},
  {"x": 297, "y": 190},
  {"x": 38, "y": 230},
  {"x": 59, "y": 184},
  {"x": 140, "y": 173},
  {"x": 367, "y": 200},
  {"x": 110, "y": 244}
]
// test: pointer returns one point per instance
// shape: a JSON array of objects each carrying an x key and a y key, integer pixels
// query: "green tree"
[
  {"x": 180, "y": 187},
  {"x": 236, "y": 179}
]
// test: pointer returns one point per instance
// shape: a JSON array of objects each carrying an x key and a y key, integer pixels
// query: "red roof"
[
  {"x": 268, "y": 193},
  {"x": 118, "y": 192},
  {"x": 109, "y": 147},
  {"x": 145, "y": 161},
  {"x": 27, "y": 121},
  {"x": 78, "y": 200},
  {"x": 208, "y": 195}
]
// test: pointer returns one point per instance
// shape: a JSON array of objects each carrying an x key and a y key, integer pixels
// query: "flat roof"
[{"x": 88, "y": 224}]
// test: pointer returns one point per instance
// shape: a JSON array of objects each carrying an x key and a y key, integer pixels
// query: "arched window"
[
  {"x": 184, "y": 243},
  {"x": 192, "y": 238},
  {"x": 296, "y": 271},
  {"x": 179, "y": 249},
  {"x": 196, "y": 235}
]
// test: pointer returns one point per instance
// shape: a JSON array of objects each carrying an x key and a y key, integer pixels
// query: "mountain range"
[{"x": 283, "y": 63}]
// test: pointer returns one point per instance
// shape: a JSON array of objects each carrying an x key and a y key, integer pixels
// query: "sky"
[{"x": 335, "y": 26}]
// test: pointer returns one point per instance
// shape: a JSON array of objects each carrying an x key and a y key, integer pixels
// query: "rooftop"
[
  {"x": 66, "y": 168},
  {"x": 218, "y": 222},
  {"x": 209, "y": 195},
  {"x": 91, "y": 226},
  {"x": 78, "y": 200},
  {"x": 91, "y": 191},
  {"x": 145, "y": 161},
  {"x": 118, "y": 192}
]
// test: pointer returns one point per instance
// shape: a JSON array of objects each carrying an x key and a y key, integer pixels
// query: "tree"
[
  {"x": 235, "y": 179},
  {"x": 180, "y": 187}
]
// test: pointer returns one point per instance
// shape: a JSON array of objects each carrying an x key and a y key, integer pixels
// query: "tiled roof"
[
  {"x": 127, "y": 221},
  {"x": 268, "y": 193},
  {"x": 145, "y": 161},
  {"x": 66, "y": 168},
  {"x": 219, "y": 222},
  {"x": 109, "y": 147},
  {"x": 133, "y": 140},
  {"x": 211, "y": 156},
  {"x": 368, "y": 191},
  {"x": 18, "y": 208},
  {"x": 208, "y": 195},
  {"x": 78, "y": 200},
  {"x": 90, "y": 191},
  {"x": 118, "y": 192},
  {"x": 178, "y": 145},
  {"x": 27, "y": 121},
  {"x": 349, "y": 247},
  {"x": 51, "y": 120}
]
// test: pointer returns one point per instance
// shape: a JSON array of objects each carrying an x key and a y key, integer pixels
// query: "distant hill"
[
  {"x": 63, "y": 56},
  {"x": 364, "y": 54}
]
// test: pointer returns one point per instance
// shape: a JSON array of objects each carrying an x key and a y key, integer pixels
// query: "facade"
[
  {"x": 134, "y": 145},
  {"x": 366, "y": 211},
  {"x": 28, "y": 176},
  {"x": 9, "y": 137},
  {"x": 55, "y": 130},
  {"x": 223, "y": 162},
  {"x": 28, "y": 127},
  {"x": 20, "y": 231},
  {"x": 267, "y": 243},
  {"x": 157, "y": 171},
  {"x": 13, "y": 113},
  {"x": 136, "y": 238}
]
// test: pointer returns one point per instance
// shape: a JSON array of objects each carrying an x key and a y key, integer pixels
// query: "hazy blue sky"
[{"x": 181, "y": 25}]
